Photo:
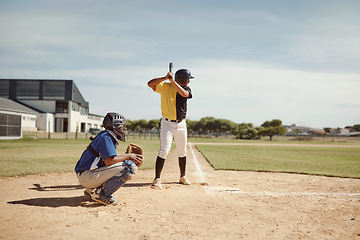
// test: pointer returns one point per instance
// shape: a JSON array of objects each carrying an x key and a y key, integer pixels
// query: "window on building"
[
  {"x": 4, "y": 88},
  {"x": 61, "y": 125},
  {"x": 62, "y": 107},
  {"x": 84, "y": 110},
  {"x": 27, "y": 89},
  {"x": 75, "y": 107},
  {"x": 82, "y": 127},
  {"x": 54, "y": 90},
  {"x": 10, "y": 125}
]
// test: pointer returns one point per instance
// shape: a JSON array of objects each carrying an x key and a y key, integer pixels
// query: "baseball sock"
[
  {"x": 182, "y": 166},
  {"x": 159, "y": 166}
]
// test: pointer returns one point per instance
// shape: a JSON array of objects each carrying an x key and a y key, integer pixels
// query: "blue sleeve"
[{"x": 107, "y": 148}]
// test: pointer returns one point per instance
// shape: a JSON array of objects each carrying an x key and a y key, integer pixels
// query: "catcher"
[{"x": 100, "y": 170}]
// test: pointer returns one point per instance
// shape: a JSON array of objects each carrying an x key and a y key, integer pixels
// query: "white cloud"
[
  {"x": 255, "y": 92},
  {"x": 252, "y": 62}
]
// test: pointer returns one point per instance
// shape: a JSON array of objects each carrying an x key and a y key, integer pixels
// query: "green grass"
[
  {"x": 37, "y": 156},
  {"x": 288, "y": 140},
  {"x": 334, "y": 161}
]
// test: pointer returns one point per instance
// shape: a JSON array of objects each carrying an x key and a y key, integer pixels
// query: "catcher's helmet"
[
  {"x": 182, "y": 75},
  {"x": 115, "y": 123}
]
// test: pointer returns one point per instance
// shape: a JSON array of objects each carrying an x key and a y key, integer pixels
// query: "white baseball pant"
[{"x": 170, "y": 130}]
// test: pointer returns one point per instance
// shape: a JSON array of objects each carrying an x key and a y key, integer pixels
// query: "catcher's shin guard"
[
  {"x": 112, "y": 185},
  {"x": 117, "y": 181},
  {"x": 182, "y": 166}
]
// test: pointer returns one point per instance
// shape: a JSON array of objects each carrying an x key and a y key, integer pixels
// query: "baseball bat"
[{"x": 170, "y": 67}]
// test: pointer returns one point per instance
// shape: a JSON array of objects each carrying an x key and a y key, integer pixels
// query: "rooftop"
[{"x": 10, "y": 105}]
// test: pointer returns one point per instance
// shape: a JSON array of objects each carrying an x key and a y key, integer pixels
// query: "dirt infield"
[{"x": 218, "y": 205}]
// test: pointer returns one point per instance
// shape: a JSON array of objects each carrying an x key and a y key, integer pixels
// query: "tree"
[
  {"x": 136, "y": 125},
  {"x": 246, "y": 131},
  {"x": 153, "y": 124},
  {"x": 214, "y": 125},
  {"x": 357, "y": 127},
  {"x": 141, "y": 125},
  {"x": 129, "y": 125},
  {"x": 327, "y": 129},
  {"x": 192, "y": 125},
  {"x": 271, "y": 128},
  {"x": 205, "y": 124}
]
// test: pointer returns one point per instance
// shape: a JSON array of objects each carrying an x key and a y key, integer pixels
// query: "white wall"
[
  {"x": 46, "y": 122},
  {"x": 43, "y": 119},
  {"x": 75, "y": 120},
  {"x": 28, "y": 122},
  {"x": 344, "y": 131}
]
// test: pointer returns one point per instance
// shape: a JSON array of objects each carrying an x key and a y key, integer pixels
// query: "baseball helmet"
[
  {"x": 182, "y": 75},
  {"x": 117, "y": 124}
]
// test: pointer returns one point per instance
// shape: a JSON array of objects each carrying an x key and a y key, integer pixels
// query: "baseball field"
[{"x": 240, "y": 190}]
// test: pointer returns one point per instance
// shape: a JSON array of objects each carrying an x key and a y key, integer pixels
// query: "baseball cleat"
[
  {"x": 157, "y": 183},
  {"x": 91, "y": 193},
  {"x": 184, "y": 180},
  {"x": 88, "y": 193},
  {"x": 105, "y": 200}
]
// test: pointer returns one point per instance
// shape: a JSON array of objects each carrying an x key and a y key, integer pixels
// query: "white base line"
[
  {"x": 201, "y": 174},
  {"x": 198, "y": 170},
  {"x": 232, "y": 190}
]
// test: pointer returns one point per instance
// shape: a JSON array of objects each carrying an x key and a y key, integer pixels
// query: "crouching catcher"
[{"x": 100, "y": 170}]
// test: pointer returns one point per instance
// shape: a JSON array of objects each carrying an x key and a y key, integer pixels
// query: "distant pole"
[{"x": 49, "y": 130}]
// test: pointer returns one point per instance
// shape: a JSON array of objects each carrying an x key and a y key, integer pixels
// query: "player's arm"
[
  {"x": 136, "y": 158},
  {"x": 153, "y": 82},
  {"x": 184, "y": 93}
]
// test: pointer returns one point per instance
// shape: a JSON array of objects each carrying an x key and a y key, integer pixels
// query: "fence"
[
  {"x": 156, "y": 135},
  {"x": 85, "y": 135},
  {"x": 324, "y": 138}
]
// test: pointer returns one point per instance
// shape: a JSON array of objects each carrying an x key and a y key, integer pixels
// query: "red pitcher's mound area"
[{"x": 218, "y": 205}]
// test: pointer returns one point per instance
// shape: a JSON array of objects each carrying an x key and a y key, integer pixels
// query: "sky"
[{"x": 253, "y": 61}]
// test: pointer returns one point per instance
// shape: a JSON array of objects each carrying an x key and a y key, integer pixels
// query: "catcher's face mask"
[
  {"x": 117, "y": 124},
  {"x": 119, "y": 128}
]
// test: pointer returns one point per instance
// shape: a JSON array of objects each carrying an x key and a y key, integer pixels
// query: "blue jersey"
[{"x": 105, "y": 144}]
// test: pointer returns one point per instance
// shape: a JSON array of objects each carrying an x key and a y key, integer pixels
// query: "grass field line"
[
  {"x": 273, "y": 194},
  {"x": 283, "y": 145},
  {"x": 198, "y": 170}
]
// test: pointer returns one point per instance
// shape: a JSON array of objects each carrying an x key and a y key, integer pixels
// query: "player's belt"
[{"x": 177, "y": 121}]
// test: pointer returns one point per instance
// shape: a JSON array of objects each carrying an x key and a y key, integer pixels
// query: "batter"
[{"x": 174, "y": 96}]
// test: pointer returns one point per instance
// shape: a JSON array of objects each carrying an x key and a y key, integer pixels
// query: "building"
[
  {"x": 52, "y": 106},
  {"x": 293, "y": 130},
  {"x": 15, "y": 118}
]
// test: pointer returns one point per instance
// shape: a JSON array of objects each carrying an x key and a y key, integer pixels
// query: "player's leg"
[
  {"x": 159, "y": 165},
  {"x": 107, "y": 180},
  {"x": 119, "y": 179},
  {"x": 113, "y": 184},
  {"x": 166, "y": 137},
  {"x": 96, "y": 177},
  {"x": 180, "y": 138},
  {"x": 182, "y": 166}
]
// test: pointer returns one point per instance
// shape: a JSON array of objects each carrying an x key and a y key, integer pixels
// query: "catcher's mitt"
[{"x": 133, "y": 148}]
